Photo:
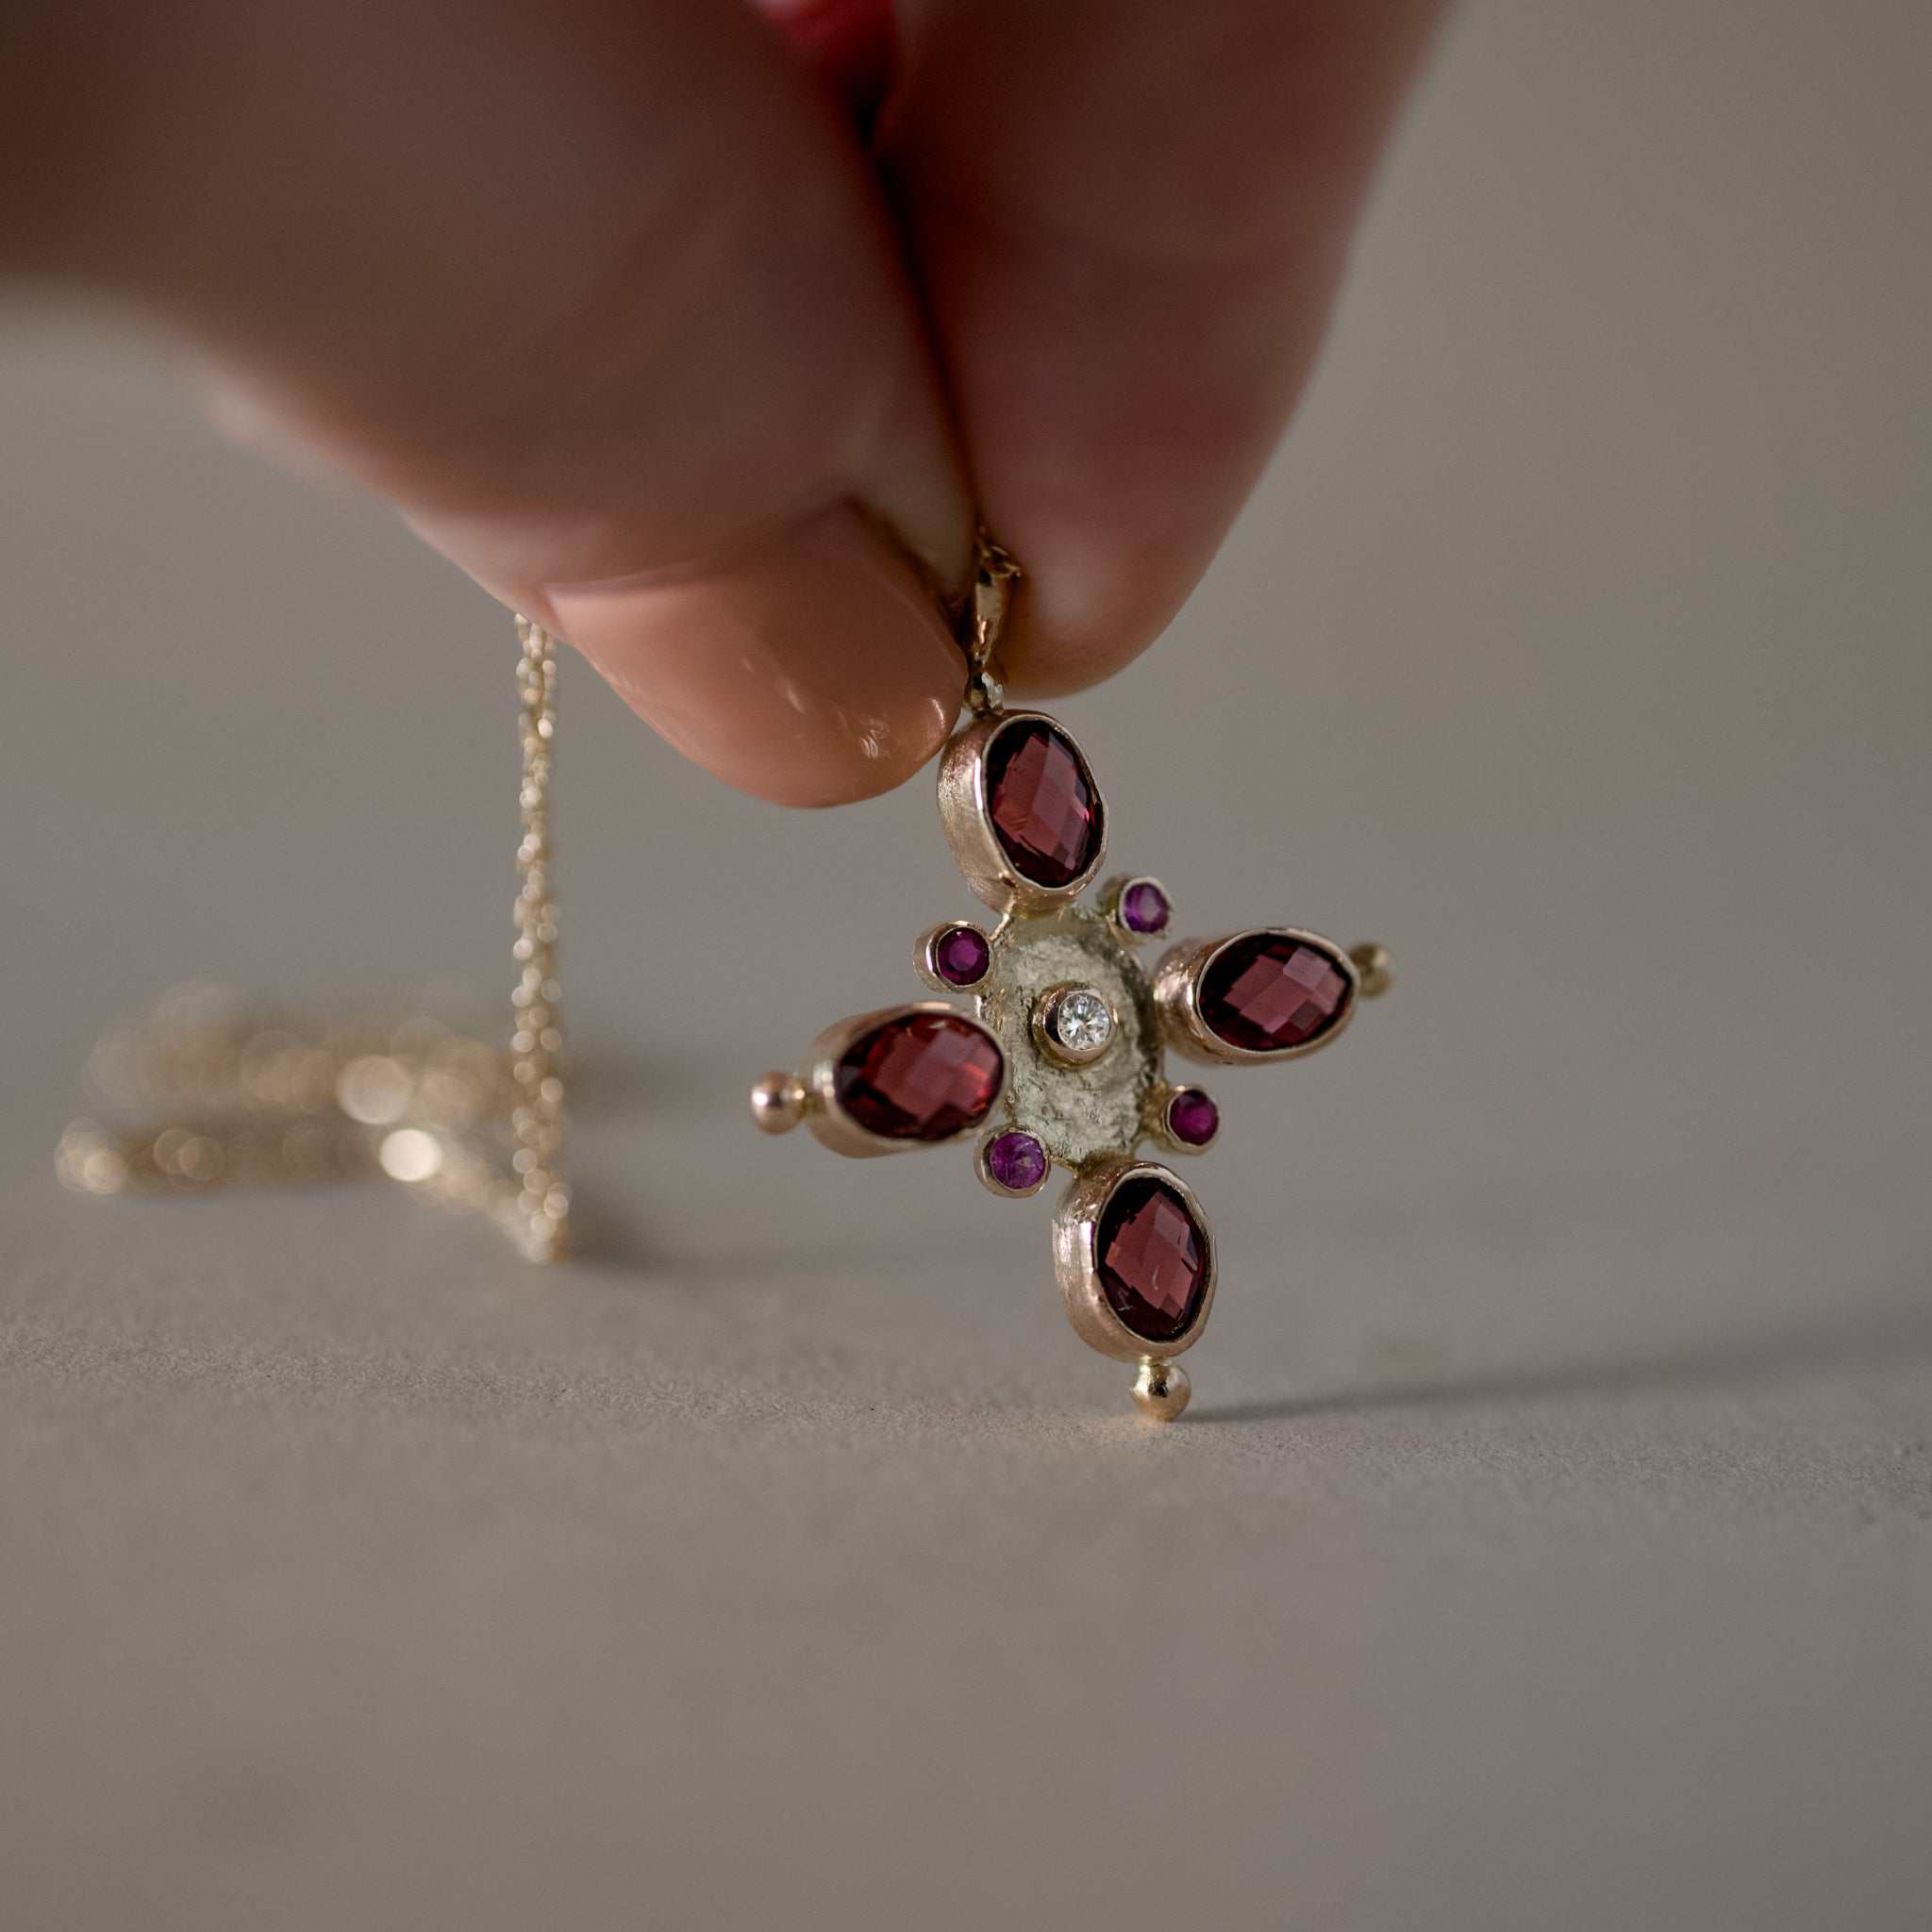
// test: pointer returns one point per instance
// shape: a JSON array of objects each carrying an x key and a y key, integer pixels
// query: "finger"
[
  {"x": 849, "y": 44},
  {"x": 602, "y": 295},
  {"x": 1130, "y": 218}
]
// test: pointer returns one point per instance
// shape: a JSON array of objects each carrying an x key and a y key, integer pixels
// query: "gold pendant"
[{"x": 1062, "y": 1061}]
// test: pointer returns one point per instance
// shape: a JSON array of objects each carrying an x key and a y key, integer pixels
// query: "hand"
[{"x": 605, "y": 296}]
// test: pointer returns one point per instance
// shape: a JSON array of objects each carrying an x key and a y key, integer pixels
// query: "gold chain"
[
  {"x": 542, "y": 1201},
  {"x": 255, "y": 1097}
]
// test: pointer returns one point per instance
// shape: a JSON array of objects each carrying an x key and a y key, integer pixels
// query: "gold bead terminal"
[
  {"x": 777, "y": 1102},
  {"x": 1162, "y": 1389},
  {"x": 1376, "y": 968}
]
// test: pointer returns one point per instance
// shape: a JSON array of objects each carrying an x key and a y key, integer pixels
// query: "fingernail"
[{"x": 814, "y": 670}]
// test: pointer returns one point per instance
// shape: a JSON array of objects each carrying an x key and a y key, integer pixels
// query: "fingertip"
[
  {"x": 1075, "y": 626},
  {"x": 813, "y": 669}
]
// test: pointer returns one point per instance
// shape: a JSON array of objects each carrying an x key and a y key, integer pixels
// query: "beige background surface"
[{"x": 1554, "y": 1545}]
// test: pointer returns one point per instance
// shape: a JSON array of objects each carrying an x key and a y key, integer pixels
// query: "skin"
[{"x": 700, "y": 333}]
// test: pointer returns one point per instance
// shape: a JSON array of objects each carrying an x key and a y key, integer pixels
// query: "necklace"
[{"x": 1060, "y": 1063}]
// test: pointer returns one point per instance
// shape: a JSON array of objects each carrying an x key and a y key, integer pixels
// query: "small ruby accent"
[
  {"x": 921, "y": 1077},
  {"x": 961, "y": 956},
  {"x": 1267, "y": 993},
  {"x": 1045, "y": 810},
  {"x": 1144, "y": 908},
  {"x": 1017, "y": 1162},
  {"x": 1153, "y": 1258},
  {"x": 1192, "y": 1117}
]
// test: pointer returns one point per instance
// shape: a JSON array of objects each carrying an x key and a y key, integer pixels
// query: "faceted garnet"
[
  {"x": 921, "y": 1077},
  {"x": 1017, "y": 1162},
  {"x": 1152, "y": 1258},
  {"x": 1267, "y": 993},
  {"x": 1144, "y": 908},
  {"x": 1045, "y": 811},
  {"x": 1192, "y": 1117},
  {"x": 961, "y": 955}
]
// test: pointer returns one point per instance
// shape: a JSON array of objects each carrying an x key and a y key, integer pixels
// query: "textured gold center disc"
[{"x": 1077, "y": 1113}]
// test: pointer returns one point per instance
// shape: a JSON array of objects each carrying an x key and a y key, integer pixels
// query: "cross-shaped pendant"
[{"x": 1064, "y": 1061}]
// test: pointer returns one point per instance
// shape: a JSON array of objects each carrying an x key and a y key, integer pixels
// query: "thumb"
[{"x": 599, "y": 294}]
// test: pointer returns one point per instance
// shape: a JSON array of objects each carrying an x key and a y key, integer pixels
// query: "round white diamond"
[{"x": 1083, "y": 1022}]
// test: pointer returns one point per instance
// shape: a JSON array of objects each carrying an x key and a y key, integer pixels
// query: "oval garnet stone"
[
  {"x": 1153, "y": 1258},
  {"x": 1045, "y": 810},
  {"x": 1266, "y": 992},
  {"x": 921, "y": 1077}
]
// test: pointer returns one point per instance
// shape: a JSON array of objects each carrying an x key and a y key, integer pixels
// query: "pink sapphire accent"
[
  {"x": 1268, "y": 993},
  {"x": 1017, "y": 1162},
  {"x": 921, "y": 1077},
  {"x": 1045, "y": 810},
  {"x": 1144, "y": 908},
  {"x": 1192, "y": 1117},
  {"x": 961, "y": 956},
  {"x": 1152, "y": 1258}
]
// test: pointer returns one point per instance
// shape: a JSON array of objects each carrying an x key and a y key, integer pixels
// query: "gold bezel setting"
[
  {"x": 826, "y": 1117},
  {"x": 966, "y": 816},
  {"x": 1177, "y": 998},
  {"x": 1051, "y": 1012},
  {"x": 1165, "y": 1100},
  {"x": 1114, "y": 900},
  {"x": 1077, "y": 1262},
  {"x": 925, "y": 955},
  {"x": 983, "y": 1164}
]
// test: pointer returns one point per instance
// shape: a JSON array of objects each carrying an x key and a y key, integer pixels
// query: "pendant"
[{"x": 1062, "y": 1061}]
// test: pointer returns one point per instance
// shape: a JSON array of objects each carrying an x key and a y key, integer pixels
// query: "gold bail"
[{"x": 985, "y": 623}]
